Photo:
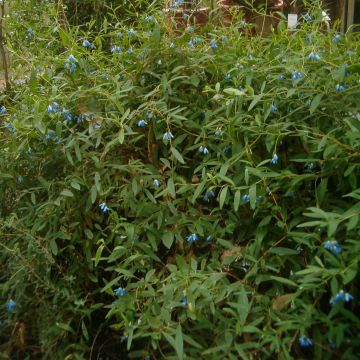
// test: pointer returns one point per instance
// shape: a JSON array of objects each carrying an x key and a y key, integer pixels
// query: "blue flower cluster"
[
  {"x": 71, "y": 63},
  {"x": 116, "y": 49},
  {"x": 297, "y": 75},
  {"x": 341, "y": 296},
  {"x": 305, "y": 342},
  {"x": 103, "y": 207},
  {"x": 50, "y": 136},
  {"x": 120, "y": 292},
  {"x": 203, "y": 150},
  {"x": 191, "y": 238},
  {"x": 333, "y": 246},
  {"x": 339, "y": 88},
  {"x": 53, "y": 108},
  {"x": 142, "y": 123},
  {"x": 2, "y": 110},
  {"x": 307, "y": 17},
  {"x": 313, "y": 56}
]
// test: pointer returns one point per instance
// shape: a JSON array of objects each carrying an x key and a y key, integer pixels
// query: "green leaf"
[
  {"x": 67, "y": 193},
  {"x": 53, "y": 247},
  {"x": 98, "y": 254},
  {"x": 198, "y": 191},
  {"x": 237, "y": 199},
  {"x": 75, "y": 185},
  {"x": 234, "y": 92},
  {"x": 315, "y": 102},
  {"x": 167, "y": 239},
  {"x": 222, "y": 196},
  {"x": 283, "y": 281},
  {"x": 171, "y": 188},
  {"x": 93, "y": 194},
  {"x": 179, "y": 343},
  {"x": 177, "y": 155}
]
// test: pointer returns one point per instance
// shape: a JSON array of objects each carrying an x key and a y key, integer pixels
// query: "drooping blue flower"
[
  {"x": 2, "y": 110},
  {"x": 10, "y": 126},
  {"x": 227, "y": 77},
  {"x": 218, "y": 132},
  {"x": 245, "y": 198},
  {"x": 273, "y": 109},
  {"x": 275, "y": 159},
  {"x": 168, "y": 136},
  {"x": 204, "y": 150},
  {"x": 341, "y": 296},
  {"x": 119, "y": 34},
  {"x": 130, "y": 51},
  {"x": 20, "y": 179},
  {"x": 190, "y": 29},
  {"x": 307, "y": 17},
  {"x": 208, "y": 195},
  {"x": 172, "y": 46},
  {"x": 336, "y": 38},
  {"x": 156, "y": 183},
  {"x": 297, "y": 75},
  {"x": 177, "y": 3},
  {"x": 305, "y": 342},
  {"x": 120, "y": 292},
  {"x": 339, "y": 88},
  {"x": 116, "y": 49},
  {"x": 208, "y": 238},
  {"x": 149, "y": 19},
  {"x": 71, "y": 63},
  {"x": 30, "y": 33},
  {"x": 311, "y": 166},
  {"x": 191, "y": 45},
  {"x": 186, "y": 16},
  {"x": 213, "y": 44},
  {"x": 103, "y": 207},
  {"x": 313, "y": 56},
  {"x": 86, "y": 44},
  {"x": 281, "y": 77},
  {"x": 191, "y": 238},
  {"x": 227, "y": 149},
  {"x": 223, "y": 38},
  {"x": 10, "y": 305},
  {"x": 53, "y": 108},
  {"x": 184, "y": 301},
  {"x": 333, "y": 246},
  {"x": 67, "y": 115},
  {"x": 131, "y": 32}
]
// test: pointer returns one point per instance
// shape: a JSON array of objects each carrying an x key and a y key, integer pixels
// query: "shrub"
[{"x": 188, "y": 195}]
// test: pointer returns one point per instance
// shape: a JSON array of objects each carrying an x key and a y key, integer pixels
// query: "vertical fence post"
[{"x": 2, "y": 47}]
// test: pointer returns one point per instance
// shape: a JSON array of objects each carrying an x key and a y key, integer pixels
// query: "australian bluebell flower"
[
  {"x": 10, "y": 305},
  {"x": 281, "y": 77},
  {"x": 273, "y": 109},
  {"x": 333, "y": 246},
  {"x": 120, "y": 292},
  {"x": 227, "y": 77},
  {"x": 116, "y": 49},
  {"x": 305, "y": 342},
  {"x": 149, "y": 19},
  {"x": 172, "y": 46},
  {"x": 30, "y": 33},
  {"x": 156, "y": 183},
  {"x": 142, "y": 123},
  {"x": 10, "y": 126},
  {"x": 67, "y": 115},
  {"x": 208, "y": 195},
  {"x": 168, "y": 136},
  {"x": 245, "y": 198},
  {"x": 190, "y": 29},
  {"x": 71, "y": 63},
  {"x": 336, "y": 38},
  {"x": 2, "y": 110},
  {"x": 53, "y": 108},
  {"x": 339, "y": 88},
  {"x": 341, "y": 296},
  {"x": 177, "y": 3},
  {"x": 311, "y": 166},
  {"x": 130, "y": 51},
  {"x": 204, "y": 150},
  {"x": 131, "y": 32},
  {"x": 275, "y": 159},
  {"x": 191, "y": 238},
  {"x": 213, "y": 44},
  {"x": 20, "y": 179},
  {"x": 307, "y": 17},
  {"x": 218, "y": 132},
  {"x": 208, "y": 238},
  {"x": 103, "y": 207},
  {"x": 313, "y": 56},
  {"x": 223, "y": 38},
  {"x": 297, "y": 75},
  {"x": 184, "y": 301},
  {"x": 86, "y": 44},
  {"x": 186, "y": 16},
  {"x": 119, "y": 34},
  {"x": 191, "y": 45},
  {"x": 227, "y": 149}
]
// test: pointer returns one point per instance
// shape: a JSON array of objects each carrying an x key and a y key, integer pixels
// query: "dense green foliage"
[{"x": 179, "y": 195}]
